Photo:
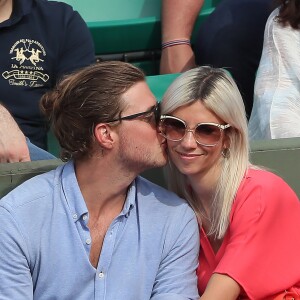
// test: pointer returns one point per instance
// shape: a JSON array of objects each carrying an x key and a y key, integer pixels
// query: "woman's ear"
[
  {"x": 226, "y": 140},
  {"x": 104, "y": 135}
]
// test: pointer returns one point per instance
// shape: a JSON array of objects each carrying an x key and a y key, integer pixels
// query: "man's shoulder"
[
  {"x": 54, "y": 5},
  {"x": 32, "y": 192},
  {"x": 159, "y": 197},
  {"x": 160, "y": 208},
  {"x": 59, "y": 12},
  {"x": 149, "y": 188}
]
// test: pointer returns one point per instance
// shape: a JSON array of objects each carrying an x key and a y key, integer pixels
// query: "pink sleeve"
[{"x": 262, "y": 253}]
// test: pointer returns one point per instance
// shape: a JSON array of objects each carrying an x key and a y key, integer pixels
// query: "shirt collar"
[
  {"x": 130, "y": 199},
  {"x": 72, "y": 192},
  {"x": 76, "y": 201}
]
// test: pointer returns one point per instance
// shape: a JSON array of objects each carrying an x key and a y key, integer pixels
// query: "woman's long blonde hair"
[{"x": 218, "y": 92}]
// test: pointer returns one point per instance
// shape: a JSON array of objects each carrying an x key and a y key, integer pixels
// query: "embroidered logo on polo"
[{"x": 26, "y": 67}]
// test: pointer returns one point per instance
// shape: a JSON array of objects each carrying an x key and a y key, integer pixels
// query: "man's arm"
[
  {"x": 178, "y": 19},
  {"x": 13, "y": 146},
  {"x": 176, "y": 278}
]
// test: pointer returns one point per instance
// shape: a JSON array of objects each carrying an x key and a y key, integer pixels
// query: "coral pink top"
[{"x": 261, "y": 249}]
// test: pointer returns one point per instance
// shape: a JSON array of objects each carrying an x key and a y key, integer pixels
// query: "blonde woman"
[{"x": 249, "y": 218}]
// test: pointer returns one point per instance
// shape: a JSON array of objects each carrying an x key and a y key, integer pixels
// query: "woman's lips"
[{"x": 188, "y": 155}]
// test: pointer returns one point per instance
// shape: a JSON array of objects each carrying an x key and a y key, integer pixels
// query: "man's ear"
[{"x": 104, "y": 135}]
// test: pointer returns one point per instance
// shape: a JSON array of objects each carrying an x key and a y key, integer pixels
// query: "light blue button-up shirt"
[{"x": 150, "y": 251}]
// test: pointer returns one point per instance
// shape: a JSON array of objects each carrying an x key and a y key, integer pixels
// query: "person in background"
[
  {"x": 231, "y": 37},
  {"x": 249, "y": 218},
  {"x": 40, "y": 42},
  {"x": 276, "y": 109},
  {"x": 92, "y": 228},
  {"x": 14, "y": 146}
]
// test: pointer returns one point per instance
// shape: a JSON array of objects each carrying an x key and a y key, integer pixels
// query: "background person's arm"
[
  {"x": 13, "y": 146},
  {"x": 178, "y": 19}
]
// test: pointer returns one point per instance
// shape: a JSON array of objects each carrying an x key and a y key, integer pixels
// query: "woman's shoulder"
[
  {"x": 261, "y": 191},
  {"x": 272, "y": 17},
  {"x": 264, "y": 182},
  {"x": 255, "y": 173}
]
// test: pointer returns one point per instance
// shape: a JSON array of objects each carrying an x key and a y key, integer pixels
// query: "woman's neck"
[{"x": 204, "y": 186}]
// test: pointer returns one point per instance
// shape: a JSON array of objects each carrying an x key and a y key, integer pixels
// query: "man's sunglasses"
[
  {"x": 205, "y": 134},
  {"x": 148, "y": 116}
]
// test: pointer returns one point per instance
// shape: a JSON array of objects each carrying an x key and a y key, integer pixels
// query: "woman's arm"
[{"x": 221, "y": 287}]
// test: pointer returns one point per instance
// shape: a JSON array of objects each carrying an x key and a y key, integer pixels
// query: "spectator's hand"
[
  {"x": 177, "y": 59},
  {"x": 13, "y": 146}
]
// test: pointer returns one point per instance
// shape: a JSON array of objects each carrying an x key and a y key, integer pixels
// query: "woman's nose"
[{"x": 189, "y": 140}]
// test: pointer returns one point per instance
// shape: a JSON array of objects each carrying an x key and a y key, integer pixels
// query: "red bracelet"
[{"x": 175, "y": 43}]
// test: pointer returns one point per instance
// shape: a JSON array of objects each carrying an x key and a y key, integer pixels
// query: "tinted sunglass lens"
[
  {"x": 207, "y": 134},
  {"x": 173, "y": 129}
]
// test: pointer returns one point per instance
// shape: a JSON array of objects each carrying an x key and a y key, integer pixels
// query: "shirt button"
[
  {"x": 84, "y": 217},
  {"x": 101, "y": 275},
  {"x": 88, "y": 241},
  {"x": 74, "y": 216}
]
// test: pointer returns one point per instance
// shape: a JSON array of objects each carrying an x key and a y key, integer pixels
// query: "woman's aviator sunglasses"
[{"x": 205, "y": 134}]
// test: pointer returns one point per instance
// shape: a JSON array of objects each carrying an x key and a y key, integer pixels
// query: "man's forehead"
[{"x": 139, "y": 95}]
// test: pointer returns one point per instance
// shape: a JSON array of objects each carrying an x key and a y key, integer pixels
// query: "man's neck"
[
  {"x": 102, "y": 185},
  {"x": 6, "y": 7}
]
